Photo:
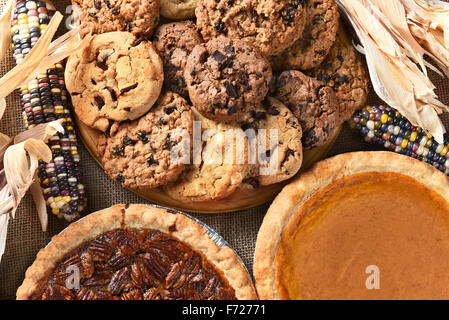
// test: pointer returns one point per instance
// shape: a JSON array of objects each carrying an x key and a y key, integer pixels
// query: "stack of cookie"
[{"x": 274, "y": 73}]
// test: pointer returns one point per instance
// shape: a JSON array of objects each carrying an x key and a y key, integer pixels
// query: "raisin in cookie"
[
  {"x": 174, "y": 42},
  {"x": 312, "y": 103},
  {"x": 271, "y": 26},
  {"x": 225, "y": 77},
  {"x": 281, "y": 158},
  {"x": 215, "y": 172},
  {"x": 311, "y": 49},
  {"x": 139, "y": 17},
  {"x": 344, "y": 72},
  {"x": 116, "y": 77},
  {"x": 178, "y": 9},
  {"x": 150, "y": 152}
]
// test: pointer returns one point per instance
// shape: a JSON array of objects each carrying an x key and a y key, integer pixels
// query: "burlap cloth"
[{"x": 25, "y": 237}]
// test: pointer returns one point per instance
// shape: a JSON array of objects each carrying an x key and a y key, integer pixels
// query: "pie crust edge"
[
  {"x": 293, "y": 196},
  {"x": 139, "y": 216}
]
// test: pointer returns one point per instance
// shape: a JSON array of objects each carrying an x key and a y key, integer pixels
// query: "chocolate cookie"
[
  {"x": 149, "y": 152},
  {"x": 117, "y": 77},
  {"x": 343, "y": 71},
  {"x": 136, "y": 16},
  {"x": 214, "y": 175},
  {"x": 271, "y": 26},
  {"x": 279, "y": 160},
  {"x": 313, "y": 103},
  {"x": 178, "y": 9},
  {"x": 226, "y": 77},
  {"x": 311, "y": 49},
  {"x": 174, "y": 42}
]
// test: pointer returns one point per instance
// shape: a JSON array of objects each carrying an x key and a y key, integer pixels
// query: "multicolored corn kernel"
[
  {"x": 386, "y": 127},
  {"x": 43, "y": 100}
]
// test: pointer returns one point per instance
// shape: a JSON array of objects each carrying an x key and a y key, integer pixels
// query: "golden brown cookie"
[
  {"x": 226, "y": 78},
  {"x": 178, "y": 9},
  {"x": 136, "y": 16},
  {"x": 174, "y": 42},
  {"x": 313, "y": 104},
  {"x": 116, "y": 77},
  {"x": 311, "y": 49},
  {"x": 271, "y": 26},
  {"x": 149, "y": 152},
  {"x": 344, "y": 72},
  {"x": 279, "y": 159},
  {"x": 214, "y": 174}
]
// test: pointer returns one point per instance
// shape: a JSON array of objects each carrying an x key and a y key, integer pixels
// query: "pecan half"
[
  {"x": 101, "y": 250},
  {"x": 57, "y": 292},
  {"x": 119, "y": 281},
  {"x": 156, "y": 266},
  {"x": 118, "y": 260},
  {"x": 87, "y": 261}
]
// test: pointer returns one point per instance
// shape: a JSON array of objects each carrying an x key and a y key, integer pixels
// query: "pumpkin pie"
[
  {"x": 367, "y": 225},
  {"x": 136, "y": 252}
]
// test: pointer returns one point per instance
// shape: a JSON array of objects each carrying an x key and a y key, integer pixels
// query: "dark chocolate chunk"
[
  {"x": 151, "y": 161},
  {"x": 137, "y": 42},
  {"x": 108, "y": 4},
  {"x": 231, "y": 90},
  {"x": 169, "y": 110},
  {"x": 232, "y": 110},
  {"x": 220, "y": 27},
  {"x": 127, "y": 141},
  {"x": 142, "y": 136},
  {"x": 120, "y": 179},
  {"x": 99, "y": 101},
  {"x": 127, "y": 89},
  {"x": 113, "y": 94},
  {"x": 118, "y": 150},
  {"x": 219, "y": 57},
  {"x": 289, "y": 153}
]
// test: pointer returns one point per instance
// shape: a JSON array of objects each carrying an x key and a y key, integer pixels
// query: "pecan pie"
[
  {"x": 358, "y": 226},
  {"x": 136, "y": 252}
]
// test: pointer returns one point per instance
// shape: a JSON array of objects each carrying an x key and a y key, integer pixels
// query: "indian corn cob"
[
  {"x": 44, "y": 100},
  {"x": 386, "y": 127}
]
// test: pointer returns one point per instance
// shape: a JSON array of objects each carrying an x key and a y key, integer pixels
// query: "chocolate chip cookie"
[
  {"x": 178, "y": 9},
  {"x": 271, "y": 26},
  {"x": 311, "y": 49},
  {"x": 151, "y": 151},
  {"x": 214, "y": 174},
  {"x": 116, "y": 77},
  {"x": 136, "y": 16},
  {"x": 174, "y": 42},
  {"x": 281, "y": 159},
  {"x": 313, "y": 103},
  {"x": 343, "y": 71},
  {"x": 226, "y": 77}
]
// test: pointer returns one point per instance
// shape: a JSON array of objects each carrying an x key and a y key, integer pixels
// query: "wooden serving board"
[{"x": 241, "y": 200}]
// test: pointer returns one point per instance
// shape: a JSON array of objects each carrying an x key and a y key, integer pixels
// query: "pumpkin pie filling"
[{"x": 387, "y": 220}]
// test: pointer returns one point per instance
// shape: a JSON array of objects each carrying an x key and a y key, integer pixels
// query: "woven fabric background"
[{"x": 25, "y": 237}]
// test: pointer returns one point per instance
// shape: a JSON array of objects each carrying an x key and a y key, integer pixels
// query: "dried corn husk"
[
  {"x": 18, "y": 172},
  {"x": 429, "y": 23},
  {"x": 5, "y": 20},
  {"x": 19, "y": 156},
  {"x": 43, "y": 55},
  {"x": 20, "y": 73},
  {"x": 20, "y": 162},
  {"x": 393, "y": 54}
]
